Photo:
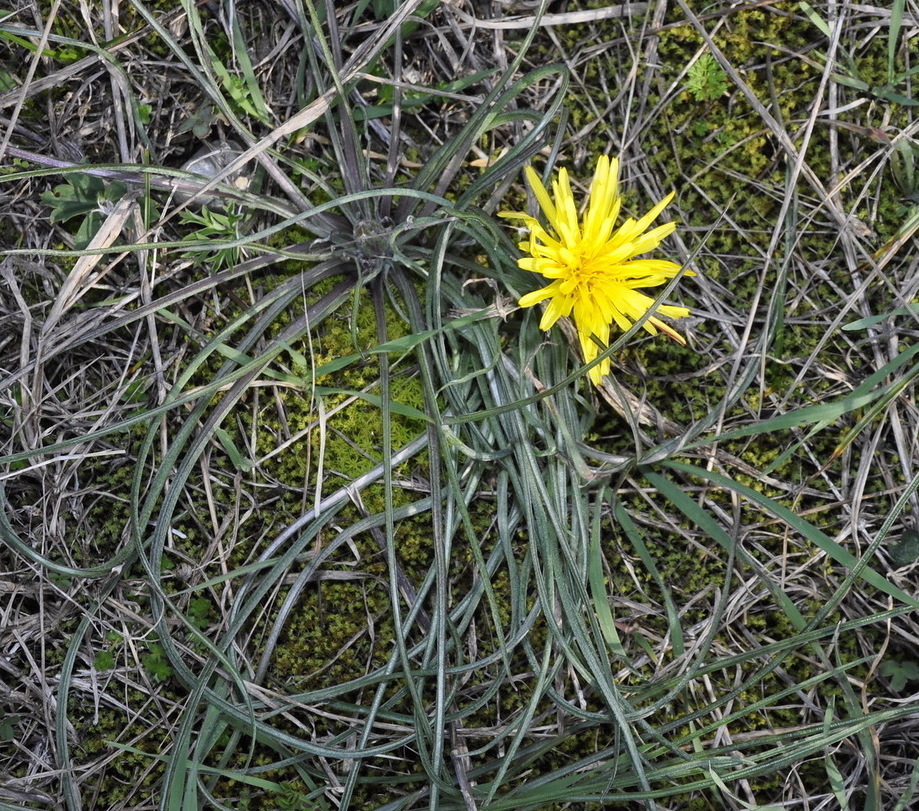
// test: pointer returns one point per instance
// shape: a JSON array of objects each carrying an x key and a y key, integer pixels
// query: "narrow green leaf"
[
  {"x": 872, "y": 320},
  {"x": 240, "y": 462},
  {"x": 815, "y": 18},
  {"x": 638, "y": 542},
  {"x": 816, "y": 536},
  {"x": 893, "y": 37},
  {"x": 710, "y": 526}
]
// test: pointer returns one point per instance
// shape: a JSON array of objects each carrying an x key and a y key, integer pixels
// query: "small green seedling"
[
  {"x": 219, "y": 226},
  {"x": 86, "y": 196},
  {"x": 706, "y": 80},
  {"x": 156, "y": 663},
  {"x": 905, "y": 551},
  {"x": 899, "y": 673}
]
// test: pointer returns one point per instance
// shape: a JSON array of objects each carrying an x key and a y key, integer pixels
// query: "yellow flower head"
[{"x": 592, "y": 264}]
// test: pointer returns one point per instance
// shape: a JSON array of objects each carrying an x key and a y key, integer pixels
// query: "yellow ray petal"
[{"x": 592, "y": 265}]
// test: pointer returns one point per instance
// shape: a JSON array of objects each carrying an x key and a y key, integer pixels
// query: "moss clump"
[{"x": 128, "y": 778}]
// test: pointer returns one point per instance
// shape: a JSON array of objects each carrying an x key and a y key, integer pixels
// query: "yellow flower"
[{"x": 592, "y": 264}]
